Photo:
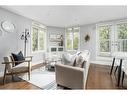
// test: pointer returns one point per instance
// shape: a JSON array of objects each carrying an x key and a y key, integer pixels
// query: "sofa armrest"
[{"x": 69, "y": 76}]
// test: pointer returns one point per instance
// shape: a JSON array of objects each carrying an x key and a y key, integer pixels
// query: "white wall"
[
  {"x": 91, "y": 45},
  {"x": 10, "y": 42}
]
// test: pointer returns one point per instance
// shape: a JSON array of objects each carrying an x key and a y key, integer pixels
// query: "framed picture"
[
  {"x": 58, "y": 36},
  {"x": 52, "y": 36}
]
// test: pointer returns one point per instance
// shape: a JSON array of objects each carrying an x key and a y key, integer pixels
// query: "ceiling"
[{"x": 64, "y": 16}]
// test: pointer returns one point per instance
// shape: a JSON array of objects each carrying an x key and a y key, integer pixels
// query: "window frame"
[
  {"x": 45, "y": 33},
  {"x": 116, "y": 25},
  {"x": 98, "y": 53},
  {"x": 73, "y": 39},
  {"x": 113, "y": 33}
]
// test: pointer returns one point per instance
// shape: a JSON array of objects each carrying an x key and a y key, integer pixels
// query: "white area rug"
[{"x": 42, "y": 78}]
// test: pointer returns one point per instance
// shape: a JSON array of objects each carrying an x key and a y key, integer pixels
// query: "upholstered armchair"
[
  {"x": 12, "y": 69},
  {"x": 73, "y": 76}
]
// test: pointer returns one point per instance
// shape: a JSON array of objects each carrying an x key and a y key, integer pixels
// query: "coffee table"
[{"x": 50, "y": 64}]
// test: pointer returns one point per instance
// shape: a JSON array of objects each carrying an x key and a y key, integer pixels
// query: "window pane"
[
  {"x": 104, "y": 32},
  {"x": 72, "y": 41},
  {"x": 35, "y": 39},
  {"x": 122, "y": 37},
  {"x": 69, "y": 40},
  {"x": 122, "y": 45},
  {"x": 76, "y": 40},
  {"x": 41, "y": 39},
  {"x": 122, "y": 31},
  {"x": 104, "y": 46},
  {"x": 104, "y": 36}
]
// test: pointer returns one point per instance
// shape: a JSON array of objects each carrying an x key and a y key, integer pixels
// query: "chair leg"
[
  {"x": 119, "y": 72},
  {"x": 112, "y": 66},
  {"x": 29, "y": 67},
  {"x": 12, "y": 77},
  {"x": 116, "y": 69},
  {"x": 29, "y": 75},
  {"x": 4, "y": 78},
  {"x": 123, "y": 77}
]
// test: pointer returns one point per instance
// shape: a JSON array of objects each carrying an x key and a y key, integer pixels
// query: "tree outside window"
[
  {"x": 104, "y": 36},
  {"x": 72, "y": 38},
  {"x": 122, "y": 37},
  {"x": 38, "y": 39}
]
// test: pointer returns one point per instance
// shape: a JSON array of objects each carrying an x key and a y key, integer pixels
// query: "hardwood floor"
[{"x": 98, "y": 78}]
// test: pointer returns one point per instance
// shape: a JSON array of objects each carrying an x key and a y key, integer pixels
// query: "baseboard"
[
  {"x": 101, "y": 62},
  {"x": 1, "y": 74}
]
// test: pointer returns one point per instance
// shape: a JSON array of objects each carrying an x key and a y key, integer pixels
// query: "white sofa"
[{"x": 71, "y": 76}]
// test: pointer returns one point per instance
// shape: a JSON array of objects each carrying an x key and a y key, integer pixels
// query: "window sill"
[{"x": 102, "y": 58}]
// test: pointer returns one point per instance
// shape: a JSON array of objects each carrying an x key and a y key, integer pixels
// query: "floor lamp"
[{"x": 25, "y": 37}]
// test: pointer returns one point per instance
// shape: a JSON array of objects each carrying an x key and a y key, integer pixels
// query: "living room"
[{"x": 49, "y": 35}]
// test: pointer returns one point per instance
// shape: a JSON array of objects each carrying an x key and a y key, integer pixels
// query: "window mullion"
[
  {"x": 73, "y": 39},
  {"x": 38, "y": 39}
]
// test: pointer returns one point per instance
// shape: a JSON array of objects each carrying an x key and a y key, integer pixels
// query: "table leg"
[
  {"x": 112, "y": 66},
  {"x": 119, "y": 72}
]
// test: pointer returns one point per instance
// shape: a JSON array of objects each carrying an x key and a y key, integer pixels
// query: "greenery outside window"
[
  {"x": 38, "y": 38},
  {"x": 122, "y": 37},
  {"x": 111, "y": 38},
  {"x": 72, "y": 38},
  {"x": 104, "y": 40}
]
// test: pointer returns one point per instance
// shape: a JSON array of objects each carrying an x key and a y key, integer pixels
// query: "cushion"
[
  {"x": 18, "y": 57},
  {"x": 68, "y": 59},
  {"x": 80, "y": 60}
]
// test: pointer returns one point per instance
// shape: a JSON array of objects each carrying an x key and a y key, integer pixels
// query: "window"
[
  {"x": 122, "y": 37},
  {"x": 104, "y": 40},
  {"x": 72, "y": 38},
  {"x": 111, "y": 38},
  {"x": 38, "y": 38}
]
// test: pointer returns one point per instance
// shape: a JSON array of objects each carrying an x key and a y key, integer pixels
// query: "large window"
[
  {"x": 72, "y": 38},
  {"x": 112, "y": 38},
  {"x": 122, "y": 37},
  {"x": 104, "y": 40},
  {"x": 38, "y": 38}
]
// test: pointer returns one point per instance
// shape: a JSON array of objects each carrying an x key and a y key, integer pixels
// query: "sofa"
[{"x": 71, "y": 75}]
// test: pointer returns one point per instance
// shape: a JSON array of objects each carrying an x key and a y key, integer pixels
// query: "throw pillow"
[
  {"x": 18, "y": 57},
  {"x": 66, "y": 59},
  {"x": 79, "y": 61}
]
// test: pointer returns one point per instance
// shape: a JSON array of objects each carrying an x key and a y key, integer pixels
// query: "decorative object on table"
[
  {"x": 25, "y": 37},
  {"x": 61, "y": 40},
  {"x": 8, "y": 26},
  {"x": 87, "y": 38}
]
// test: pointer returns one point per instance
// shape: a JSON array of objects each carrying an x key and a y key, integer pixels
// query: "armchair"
[
  {"x": 72, "y": 76},
  {"x": 11, "y": 69}
]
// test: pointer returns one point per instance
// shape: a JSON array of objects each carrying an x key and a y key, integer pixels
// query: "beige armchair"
[
  {"x": 11, "y": 69},
  {"x": 71, "y": 76}
]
